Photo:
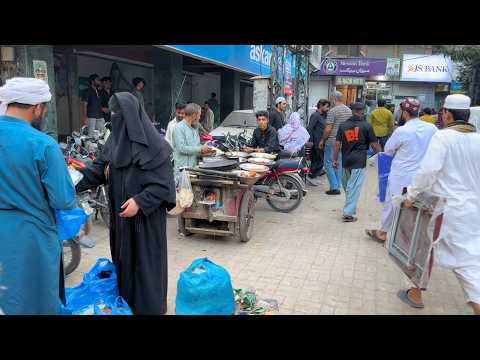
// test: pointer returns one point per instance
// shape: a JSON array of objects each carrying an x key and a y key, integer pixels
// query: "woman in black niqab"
[{"x": 141, "y": 190}]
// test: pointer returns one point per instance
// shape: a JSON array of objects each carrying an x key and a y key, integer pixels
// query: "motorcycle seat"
[{"x": 293, "y": 163}]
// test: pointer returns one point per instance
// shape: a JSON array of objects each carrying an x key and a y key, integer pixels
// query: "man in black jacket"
[
  {"x": 265, "y": 137},
  {"x": 316, "y": 125}
]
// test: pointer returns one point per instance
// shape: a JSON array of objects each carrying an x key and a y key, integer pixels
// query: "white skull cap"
[{"x": 457, "y": 102}]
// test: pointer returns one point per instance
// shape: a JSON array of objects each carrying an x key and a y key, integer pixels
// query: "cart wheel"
[
  {"x": 181, "y": 226},
  {"x": 246, "y": 216}
]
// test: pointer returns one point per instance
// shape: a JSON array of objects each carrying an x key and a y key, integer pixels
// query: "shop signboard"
[
  {"x": 427, "y": 68},
  {"x": 345, "y": 80},
  {"x": 393, "y": 68},
  {"x": 353, "y": 67},
  {"x": 456, "y": 88},
  {"x": 251, "y": 59}
]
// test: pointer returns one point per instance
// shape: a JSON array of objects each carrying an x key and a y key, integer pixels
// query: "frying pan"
[{"x": 219, "y": 165}]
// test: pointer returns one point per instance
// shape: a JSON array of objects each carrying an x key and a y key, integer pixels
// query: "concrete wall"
[
  {"x": 168, "y": 76},
  {"x": 318, "y": 90},
  {"x": 424, "y": 91},
  {"x": 25, "y": 54},
  {"x": 199, "y": 87},
  {"x": 88, "y": 65}
]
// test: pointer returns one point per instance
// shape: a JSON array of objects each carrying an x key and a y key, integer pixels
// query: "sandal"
[
  {"x": 403, "y": 295},
  {"x": 349, "y": 218},
  {"x": 373, "y": 235}
]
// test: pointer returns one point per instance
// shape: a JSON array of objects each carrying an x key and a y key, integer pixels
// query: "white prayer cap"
[
  {"x": 279, "y": 100},
  {"x": 457, "y": 102},
  {"x": 24, "y": 90}
]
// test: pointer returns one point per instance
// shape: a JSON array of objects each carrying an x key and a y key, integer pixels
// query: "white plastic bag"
[
  {"x": 75, "y": 175},
  {"x": 185, "y": 192}
]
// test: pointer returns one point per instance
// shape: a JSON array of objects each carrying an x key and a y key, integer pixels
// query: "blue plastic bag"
[
  {"x": 205, "y": 288},
  {"x": 118, "y": 307},
  {"x": 105, "y": 288},
  {"x": 69, "y": 222},
  {"x": 384, "y": 162},
  {"x": 99, "y": 284}
]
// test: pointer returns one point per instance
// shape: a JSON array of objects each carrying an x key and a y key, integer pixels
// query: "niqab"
[{"x": 134, "y": 139}]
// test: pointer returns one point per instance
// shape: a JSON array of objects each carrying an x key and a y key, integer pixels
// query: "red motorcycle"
[{"x": 282, "y": 186}]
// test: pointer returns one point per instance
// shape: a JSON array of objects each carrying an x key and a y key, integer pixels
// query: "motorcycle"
[
  {"x": 81, "y": 150},
  {"x": 282, "y": 186}
]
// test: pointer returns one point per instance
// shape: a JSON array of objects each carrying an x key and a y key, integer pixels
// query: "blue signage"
[
  {"x": 456, "y": 87},
  {"x": 252, "y": 59}
]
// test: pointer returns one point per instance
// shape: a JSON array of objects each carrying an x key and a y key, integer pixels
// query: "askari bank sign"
[
  {"x": 427, "y": 68},
  {"x": 251, "y": 59}
]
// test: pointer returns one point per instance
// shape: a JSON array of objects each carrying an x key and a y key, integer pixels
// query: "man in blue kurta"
[{"x": 34, "y": 182}]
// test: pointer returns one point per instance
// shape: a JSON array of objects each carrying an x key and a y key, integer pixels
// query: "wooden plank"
[{"x": 209, "y": 231}]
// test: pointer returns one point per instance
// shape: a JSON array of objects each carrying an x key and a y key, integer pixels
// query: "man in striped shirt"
[{"x": 335, "y": 117}]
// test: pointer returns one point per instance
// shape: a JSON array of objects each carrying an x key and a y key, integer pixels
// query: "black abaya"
[{"x": 138, "y": 244}]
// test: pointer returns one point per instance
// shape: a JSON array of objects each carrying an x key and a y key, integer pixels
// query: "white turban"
[{"x": 23, "y": 90}]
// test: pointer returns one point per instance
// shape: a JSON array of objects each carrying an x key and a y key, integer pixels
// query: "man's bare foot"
[
  {"x": 475, "y": 307},
  {"x": 412, "y": 297},
  {"x": 377, "y": 235}
]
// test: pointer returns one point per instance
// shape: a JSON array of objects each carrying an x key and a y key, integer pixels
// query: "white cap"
[
  {"x": 457, "y": 102},
  {"x": 279, "y": 100}
]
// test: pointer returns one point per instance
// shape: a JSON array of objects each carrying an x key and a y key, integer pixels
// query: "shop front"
[{"x": 349, "y": 75}]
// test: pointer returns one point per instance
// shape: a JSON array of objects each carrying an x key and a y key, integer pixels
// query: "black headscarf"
[{"x": 134, "y": 139}]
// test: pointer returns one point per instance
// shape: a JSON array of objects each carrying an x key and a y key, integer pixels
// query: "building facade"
[
  {"x": 172, "y": 73},
  {"x": 390, "y": 72}
]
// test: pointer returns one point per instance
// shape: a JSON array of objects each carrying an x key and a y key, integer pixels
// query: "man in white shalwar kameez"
[
  {"x": 407, "y": 146},
  {"x": 451, "y": 170}
]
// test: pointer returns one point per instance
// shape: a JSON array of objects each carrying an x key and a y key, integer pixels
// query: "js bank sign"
[{"x": 433, "y": 68}]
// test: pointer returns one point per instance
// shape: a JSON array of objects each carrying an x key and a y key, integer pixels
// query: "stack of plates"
[
  {"x": 264, "y": 155},
  {"x": 261, "y": 161}
]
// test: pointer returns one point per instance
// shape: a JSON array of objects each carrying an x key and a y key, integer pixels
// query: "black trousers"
[{"x": 316, "y": 165}]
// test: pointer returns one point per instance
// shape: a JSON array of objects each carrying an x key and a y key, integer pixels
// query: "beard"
[
  {"x": 38, "y": 123},
  {"x": 195, "y": 124}
]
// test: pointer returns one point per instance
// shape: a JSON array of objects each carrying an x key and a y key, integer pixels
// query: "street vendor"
[
  {"x": 450, "y": 170},
  {"x": 186, "y": 140},
  {"x": 265, "y": 138}
]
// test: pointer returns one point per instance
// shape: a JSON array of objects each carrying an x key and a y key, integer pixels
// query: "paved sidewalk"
[{"x": 308, "y": 260}]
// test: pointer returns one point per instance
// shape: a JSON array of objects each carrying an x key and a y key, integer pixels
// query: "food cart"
[{"x": 223, "y": 205}]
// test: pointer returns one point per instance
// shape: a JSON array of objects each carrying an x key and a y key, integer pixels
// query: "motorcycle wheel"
[
  {"x": 289, "y": 183},
  {"x": 72, "y": 255},
  {"x": 102, "y": 198}
]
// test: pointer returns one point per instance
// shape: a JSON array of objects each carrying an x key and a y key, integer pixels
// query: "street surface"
[{"x": 309, "y": 260}]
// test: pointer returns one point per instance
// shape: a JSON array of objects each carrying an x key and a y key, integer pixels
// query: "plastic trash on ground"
[
  {"x": 247, "y": 303},
  {"x": 204, "y": 288}
]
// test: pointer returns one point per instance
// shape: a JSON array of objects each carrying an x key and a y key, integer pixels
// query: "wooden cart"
[{"x": 223, "y": 205}]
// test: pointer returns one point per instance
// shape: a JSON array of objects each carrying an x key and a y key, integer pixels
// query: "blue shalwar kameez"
[{"x": 34, "y": 181}]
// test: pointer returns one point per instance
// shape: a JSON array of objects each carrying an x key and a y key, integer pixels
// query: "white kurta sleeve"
[
  {"x": 393, "y": 143},
  {"x": 430, "y": 167}
]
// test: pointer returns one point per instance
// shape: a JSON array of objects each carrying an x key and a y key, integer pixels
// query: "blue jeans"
[
  {"x": 334, "y": 176},
  {"x": 352, "y": 182}
]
